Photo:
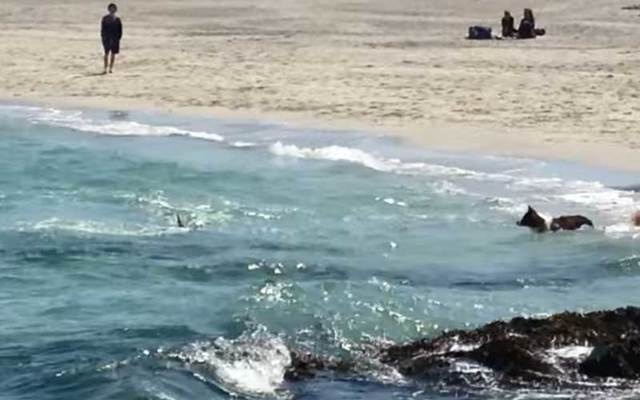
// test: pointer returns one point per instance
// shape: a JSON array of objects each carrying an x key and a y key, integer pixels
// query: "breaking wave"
[
  {"x": 79, "y": 122},
  {"x": 252, "y": 365}
]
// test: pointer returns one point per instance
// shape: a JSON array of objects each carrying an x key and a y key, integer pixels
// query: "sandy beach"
[{"x": 401, "y": 67}]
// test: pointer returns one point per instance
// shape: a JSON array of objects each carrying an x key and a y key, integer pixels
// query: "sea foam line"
[
  {"x": 592, "y": 194},
  {"x": 78, "y": 122},
  {"x": 358, "y": 156}
]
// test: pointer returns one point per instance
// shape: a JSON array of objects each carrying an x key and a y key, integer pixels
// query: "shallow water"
[{"x": 315, "y": 239}]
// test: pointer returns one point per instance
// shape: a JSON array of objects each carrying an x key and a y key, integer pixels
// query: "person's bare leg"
[
  {"x": 113, "y": 61},
  {"x": 106, "y": 62}
]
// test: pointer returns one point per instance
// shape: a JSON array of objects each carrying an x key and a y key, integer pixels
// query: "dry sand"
[{"x": 401, "y": 66}]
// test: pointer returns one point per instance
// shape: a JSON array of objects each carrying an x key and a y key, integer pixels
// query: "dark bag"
[{"x": 480, "y": 33}]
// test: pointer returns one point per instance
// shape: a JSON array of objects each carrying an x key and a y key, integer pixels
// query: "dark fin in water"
[{"x": 179, "y": 221}]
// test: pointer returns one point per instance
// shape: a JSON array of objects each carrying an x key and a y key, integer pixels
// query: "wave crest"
[
  {"x": 78, "y": 122},
  {"x": 252, "y": 365}
]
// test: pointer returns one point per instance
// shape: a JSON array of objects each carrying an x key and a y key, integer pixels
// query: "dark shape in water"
[
  {"x": 570, "y": 223},
  {"x": 518, "y": 351},
  {"x": 636, "y": 218},
  {"x": 620, "y": 359},
  {"x": 533, "y": 220},
  {"x": 179, "y": 221},
  {"x": 118, "y": 115}
]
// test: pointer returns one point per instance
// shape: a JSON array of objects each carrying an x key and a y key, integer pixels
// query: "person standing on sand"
[{"x": 111, "y": 33}]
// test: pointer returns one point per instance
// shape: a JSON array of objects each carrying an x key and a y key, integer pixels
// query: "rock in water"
[
  {"x": 518, "y": 351},
  {"x": 511, "y": 357},
  {"x": 617, "y": 360}
]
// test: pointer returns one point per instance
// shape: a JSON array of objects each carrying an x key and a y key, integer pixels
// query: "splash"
[
  {"x": 195, "y": 216},
  {"x": 252, "y": 365}
]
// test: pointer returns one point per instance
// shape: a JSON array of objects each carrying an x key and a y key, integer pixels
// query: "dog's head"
[{"x": 533, "y": 220}]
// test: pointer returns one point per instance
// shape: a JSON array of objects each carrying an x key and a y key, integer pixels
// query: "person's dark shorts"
[{"x": 111, "y": 45}]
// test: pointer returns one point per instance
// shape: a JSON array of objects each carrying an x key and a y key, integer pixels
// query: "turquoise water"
[{"x": 320, "y": 240}]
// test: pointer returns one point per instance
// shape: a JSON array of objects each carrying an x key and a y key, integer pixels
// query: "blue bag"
[{"x": 480, "y": 33}]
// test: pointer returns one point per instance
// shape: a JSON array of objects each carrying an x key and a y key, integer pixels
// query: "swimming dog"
[{"x": 537, "y": 223}]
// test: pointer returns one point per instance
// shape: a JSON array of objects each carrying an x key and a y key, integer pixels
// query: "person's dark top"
[
  {"x": 508, "y": 28},
  {"x": 527, "y": 29},
  {"x": 111, "y": 28}
]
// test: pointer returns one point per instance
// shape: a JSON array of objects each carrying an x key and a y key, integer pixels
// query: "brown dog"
[{"x": 538, "y": 224}]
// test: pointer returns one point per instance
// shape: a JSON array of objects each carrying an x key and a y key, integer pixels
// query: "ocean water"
[{"x": 319, "y": 240}]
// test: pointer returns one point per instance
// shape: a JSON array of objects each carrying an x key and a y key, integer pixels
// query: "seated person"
[
  {"x": 527, "y": 28},
  {"x": 508, "y": 29}
]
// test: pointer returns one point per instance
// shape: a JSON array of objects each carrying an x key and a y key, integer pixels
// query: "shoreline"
[
  {"x": 400, "y": 69},
  {"x": 451, "y": 138}
]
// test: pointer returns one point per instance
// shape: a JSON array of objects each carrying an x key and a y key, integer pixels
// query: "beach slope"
[{"x": 400, "y": 67}]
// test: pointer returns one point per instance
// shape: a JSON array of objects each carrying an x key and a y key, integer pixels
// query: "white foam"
[
  {"x": 18, "y": 108},
  {"x": 622, "y": 230},
  {"x": 77, "y": 121},
  {"x": 359, "y": 156},
  {"x": 333, "y": 153},
  {"x": 449, "y": 188},
  {"x": 87, "y": 227},
  {"x": 456, "y": 346},
  {"x": 507, "y": 206},
  {"x": 254, "y": 364},
  {"x": 604, "y": 199},
  {"x": 538, "y": 183},
  {"x": 391, "y": 201},
  {"x": 277, "y": 292},
  {"x": 571, "y": 352},
  {"x": 242, "y": 145},
  {"x": 466, "y": 367},
  {"x": 576, "y": 353}
]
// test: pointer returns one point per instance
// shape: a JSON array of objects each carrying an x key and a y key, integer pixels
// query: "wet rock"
[
  {"x": 532, "y": 335},
  {"x": 512, "y": 357},
  {"x": 425, "y": 365},
  {"x": 306, "y": 366},
  {"x": 516, "y": 351},
  {"x": 614, "y": 360}
]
